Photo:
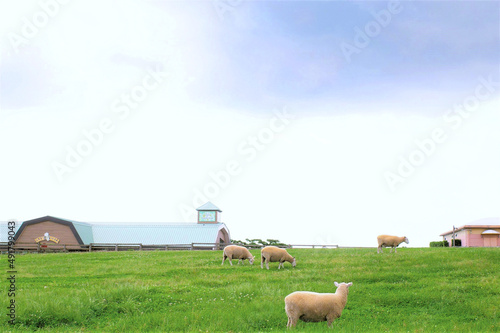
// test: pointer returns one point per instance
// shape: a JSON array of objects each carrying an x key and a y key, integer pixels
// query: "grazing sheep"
[
  {"x": 273, "y": 254},
  {"x": 390, "y": 241},
  {"x": 237, "y": 252},
  {"x": 310, "y": 306}
]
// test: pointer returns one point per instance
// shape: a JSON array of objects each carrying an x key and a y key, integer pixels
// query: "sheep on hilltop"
[{"x": 390, "y": 241}]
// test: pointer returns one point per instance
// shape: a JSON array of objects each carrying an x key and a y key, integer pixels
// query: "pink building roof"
[{"x": 472, "y": 226}]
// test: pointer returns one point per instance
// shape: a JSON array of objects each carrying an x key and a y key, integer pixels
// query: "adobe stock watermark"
[
  {"x": 11, "y": 272},
  {"x": 225, "y": 7},
  {"x": 94, "y": 137},
  {"x": 31, "y": 26},
  {"x": 247, "y": 151},
  {"x": 372, "y": 29},
  {"x": 453, "y": 118}
]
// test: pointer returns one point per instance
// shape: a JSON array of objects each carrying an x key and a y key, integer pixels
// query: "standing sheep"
[
  {"x": 310, "y": 306},
  {"x": 236, "y": 252},
  {"x": 390, "y": 241},
  {"x": 273, "y": 254}
]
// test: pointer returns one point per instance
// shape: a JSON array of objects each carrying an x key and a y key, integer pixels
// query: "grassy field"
[{"x": 415, "y": 290}]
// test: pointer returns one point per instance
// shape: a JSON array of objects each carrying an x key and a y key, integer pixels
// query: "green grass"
[{"x": 414, "y": 290}]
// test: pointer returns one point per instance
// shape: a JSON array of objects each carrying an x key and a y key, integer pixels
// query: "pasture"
[{"x": 415, "y": 290}]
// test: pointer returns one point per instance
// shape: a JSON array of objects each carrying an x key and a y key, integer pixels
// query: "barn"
[
  {"x": 480, "y": 233},
  {"x": 60, "y": 232}
]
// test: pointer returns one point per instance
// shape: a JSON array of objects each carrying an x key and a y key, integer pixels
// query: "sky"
[{"x": 310, "y": 122}]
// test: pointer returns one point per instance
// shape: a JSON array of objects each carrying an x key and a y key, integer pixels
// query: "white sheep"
[
  {"x": 310, "y": 306},
  {"x": 390, "y": 241},
  {"x": 237, "y": 252},
  {"x": 273, "y": 254}
]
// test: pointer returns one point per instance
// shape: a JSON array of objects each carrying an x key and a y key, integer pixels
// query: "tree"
[{"x": 257, "y": 242}]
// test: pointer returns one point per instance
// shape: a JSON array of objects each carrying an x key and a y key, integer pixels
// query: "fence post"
[
  {"x": 90, "y": 247},
  {"x": 116, "y": 247}
]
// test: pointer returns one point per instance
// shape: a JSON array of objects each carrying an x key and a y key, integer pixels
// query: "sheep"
[
  {"x": 272, "y": 254},
  {"x": 314, "y": 307},
  {"x": 237, "y": 252},
  {"x": 390, "y": 241}
]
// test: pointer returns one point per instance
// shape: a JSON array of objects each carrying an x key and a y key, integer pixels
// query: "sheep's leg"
[
  {"x": 292, "y": 321},
  {"x": 262, "y": 262},
  {"x": 239, "y": 262},
  {"x": 223, "y": 259},
  {"x": 379, "y": 249},
  {"x": 230, "y": 260},
  {"x": 392, "y": 248},
  {"x": 330, "y": 318},
  {"x": 279, "y": 266},
  {"x": 267, "y": 263}
]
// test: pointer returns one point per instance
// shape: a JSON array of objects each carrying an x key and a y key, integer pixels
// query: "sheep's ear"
[
  {"x": 349, "y": 284},
  {"x": 336, "y": 284}
]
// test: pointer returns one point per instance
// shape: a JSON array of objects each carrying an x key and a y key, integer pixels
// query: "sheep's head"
[
  {"x": 251, "y": 260},
  {"x": 294, "y": 263},
  {"x": 347, "y": 285},
  {"x": 406, "y": 240}
]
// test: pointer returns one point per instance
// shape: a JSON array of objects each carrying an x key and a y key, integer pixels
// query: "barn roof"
[
  {"x": 85, "y": 230},
  {"x": 149, "y": 234}
]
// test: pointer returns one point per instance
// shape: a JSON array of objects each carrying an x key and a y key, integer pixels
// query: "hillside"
[{"x": 415, "y": 290}]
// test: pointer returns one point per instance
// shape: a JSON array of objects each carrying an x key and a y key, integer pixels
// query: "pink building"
[{"x": 481, "y": 233}]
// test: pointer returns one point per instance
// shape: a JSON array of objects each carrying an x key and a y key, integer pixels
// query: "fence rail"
[{"x": 95, "y": 247}]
